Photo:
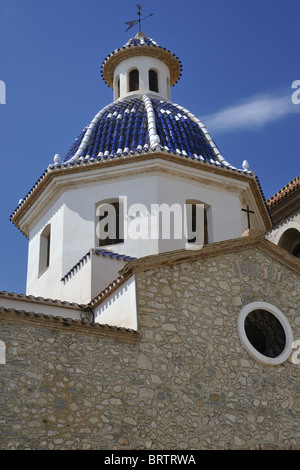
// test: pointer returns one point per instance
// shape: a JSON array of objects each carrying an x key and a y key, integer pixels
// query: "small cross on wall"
[{"x": 248, "y": 211}]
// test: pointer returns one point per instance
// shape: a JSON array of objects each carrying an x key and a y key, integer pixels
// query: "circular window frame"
[{"x": 284, "y": 355}]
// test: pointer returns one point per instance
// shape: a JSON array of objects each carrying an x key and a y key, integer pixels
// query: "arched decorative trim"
[
  {"x": 87, "y": 136},
  {"x": 217, "y": 152},
  {"x": 153, "y": 135}
]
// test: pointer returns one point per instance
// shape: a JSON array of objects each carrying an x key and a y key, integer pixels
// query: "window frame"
[
  {"x": 150, "y": 80},
  {"x": 284, "y": 355},
  {"x": 119, "y": 212},
  {"x": 136, "y": 81},
  {"x": 45, "y": 249},
  {"x": 193, "y": 203}
]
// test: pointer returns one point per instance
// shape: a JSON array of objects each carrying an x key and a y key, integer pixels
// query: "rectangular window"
[
  {"x": 153, "y": 80},
  {"x": 194, "y": 225},
  {"x": 44, "y": 259},
  {"x": 134, "y": 80},
  {"x": 110, "y": 223}
]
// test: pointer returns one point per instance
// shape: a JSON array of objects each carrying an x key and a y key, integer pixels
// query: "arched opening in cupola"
[
  {"x": 153, "y": 80},
  {"x": 134, "y": 80}
]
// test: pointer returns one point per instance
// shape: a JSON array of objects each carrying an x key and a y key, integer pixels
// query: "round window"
[{"x": 265, "y": 332}]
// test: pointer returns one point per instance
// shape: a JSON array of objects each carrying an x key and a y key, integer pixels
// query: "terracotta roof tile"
[{"x": 284, "y": 192}]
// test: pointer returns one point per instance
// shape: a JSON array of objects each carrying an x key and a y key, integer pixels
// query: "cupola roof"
[{"x": 140, "y": 125}]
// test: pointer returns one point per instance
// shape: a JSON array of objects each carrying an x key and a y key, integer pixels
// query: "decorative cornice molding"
[{"x": 79, "y": 167}]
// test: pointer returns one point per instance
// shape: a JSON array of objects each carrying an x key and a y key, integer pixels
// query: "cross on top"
[{"x": 139, "y": 21}]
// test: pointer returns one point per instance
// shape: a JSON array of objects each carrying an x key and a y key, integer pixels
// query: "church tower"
[
  {"x": 143, "y": 177},
  {"x": 163, "y": 291}
]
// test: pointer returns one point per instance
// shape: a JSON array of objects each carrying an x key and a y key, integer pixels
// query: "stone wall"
[
  {"x": 66, "y": 385},
  {"x": 184, "y": 381},
  {"x": 212, "y": 394}
]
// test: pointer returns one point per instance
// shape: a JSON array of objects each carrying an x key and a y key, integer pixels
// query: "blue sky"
[{"x": 239, "y": 59}]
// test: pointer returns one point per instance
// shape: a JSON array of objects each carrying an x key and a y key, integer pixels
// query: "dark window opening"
[
  {"x": 48, "y": 250},
  {"x": 194, "y": 225},
  {"x": 134, "y": 80},
  {"x": 110, "y": 224},
  {"x": 265, "y": 332},
  {"x": 290, "y": 241},
  {"x": 44, "y": 259},
  {"x": 153, "y": 81},
  {"x": 118, "y": 87},
  {"x": 296, "y": 251}
]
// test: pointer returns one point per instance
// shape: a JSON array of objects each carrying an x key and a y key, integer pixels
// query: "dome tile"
[{"x": 134, "y": 125}]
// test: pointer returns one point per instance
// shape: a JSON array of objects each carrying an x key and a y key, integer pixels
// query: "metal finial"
[{"x": 139, "y": 21}]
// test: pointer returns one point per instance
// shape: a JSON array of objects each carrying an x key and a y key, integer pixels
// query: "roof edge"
[
  {"x": 82, "y": 165},
  {"x": 284, "y": 192},
  {"x": 211, "y": 250},
  {"x": 68, "y": 325},
  {"x": 42, "y": 301}
]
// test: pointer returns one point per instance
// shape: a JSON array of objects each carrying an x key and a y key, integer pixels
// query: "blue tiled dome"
[{"x": 141, "y": 125}]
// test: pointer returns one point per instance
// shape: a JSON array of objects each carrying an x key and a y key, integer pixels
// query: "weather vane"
[{"x": 131, "y": 24}]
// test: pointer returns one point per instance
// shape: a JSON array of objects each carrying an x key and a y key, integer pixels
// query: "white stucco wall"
[
  {"x": 71, "y": 211},
  {"x": 104, "y": 271},
  {"x": 119, "y": 308},
  {"x": 46, "y": 284}
]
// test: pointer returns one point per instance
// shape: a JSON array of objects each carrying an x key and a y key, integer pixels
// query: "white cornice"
[{"x": 57, "y": 181}]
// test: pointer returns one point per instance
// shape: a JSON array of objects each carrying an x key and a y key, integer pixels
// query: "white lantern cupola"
[{"x": 141, "y": 67}]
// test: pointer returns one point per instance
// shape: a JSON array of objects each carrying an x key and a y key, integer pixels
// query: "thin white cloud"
[{"x": 253, "y": 113}]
